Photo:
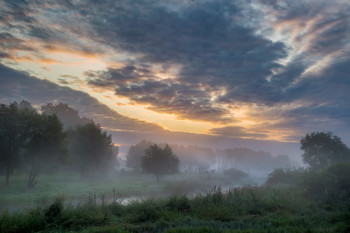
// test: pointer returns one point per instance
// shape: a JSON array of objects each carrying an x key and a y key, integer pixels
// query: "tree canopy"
[
  {"x": 91, "y": 149},
  {"x": 12, "y": 136},
  {"x": 46, "y": 145},
  {"x": 323, "y": 149},
  {"x": 27, "y": 136},
  {"x": 135, "y": 153},
  {"x": 66, "y": 114},
  {"x": 160, "y": 161}
]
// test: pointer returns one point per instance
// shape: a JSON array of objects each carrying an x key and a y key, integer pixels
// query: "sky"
[{"x": 213, "y": 72}]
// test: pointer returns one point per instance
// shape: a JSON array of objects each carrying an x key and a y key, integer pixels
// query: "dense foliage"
[
  {"x": 91, "y": 150},
  {"x": 13, "y": 136},
  {"x": 135, "y": 153},
  {"x": 160, "y": 161},
  {"x": 45, "y": 147},
  {"x": 67, "y": 115},
  {"x": 29, "y": 137},
  {"x": 33, "y": 143},
  {"x": 322, "y": 149}
]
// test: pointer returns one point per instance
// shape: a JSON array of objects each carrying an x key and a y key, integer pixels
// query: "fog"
[{"x": 53, "y": 154}]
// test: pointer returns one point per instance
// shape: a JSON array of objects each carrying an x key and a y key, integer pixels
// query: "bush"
[
  {"x": 285, "y": 176},
  {"x": 330, "y": 186},
  {"x": 54, "y": 211},
  {"x": 146, "y": 211},
  {"x": 178, "y": 203}
]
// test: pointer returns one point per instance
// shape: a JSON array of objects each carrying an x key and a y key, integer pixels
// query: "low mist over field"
[{"x": 174, "y": 116}]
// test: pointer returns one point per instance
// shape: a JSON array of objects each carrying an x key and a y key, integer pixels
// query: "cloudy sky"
[{"x": 254, "y": 70}]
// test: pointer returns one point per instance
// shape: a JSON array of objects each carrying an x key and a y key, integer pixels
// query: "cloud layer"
[
  {"x": 285, "y": 63},
  {"x": 16, "y": 86}
]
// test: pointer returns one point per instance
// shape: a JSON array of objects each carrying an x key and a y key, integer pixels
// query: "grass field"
[{"x": 73, "y": 189}]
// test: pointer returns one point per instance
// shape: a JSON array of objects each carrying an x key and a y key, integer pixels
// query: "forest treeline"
[
  {"x": 38, "y": 142},
  {"x": 195, "y": 159}
]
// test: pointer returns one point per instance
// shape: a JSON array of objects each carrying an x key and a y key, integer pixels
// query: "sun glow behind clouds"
[
  {"x": 190, "y": 66},
  {"x": 69, "y": 63}
]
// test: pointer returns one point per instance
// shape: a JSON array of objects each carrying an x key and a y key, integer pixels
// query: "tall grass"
[{"x": 247, "y": 209}]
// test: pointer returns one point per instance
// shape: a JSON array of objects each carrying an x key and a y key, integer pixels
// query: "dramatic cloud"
[
  {"x": 208, "y": 40},
  {"x": 252, "y": 69},
  {"x": 16, "y": 86}
]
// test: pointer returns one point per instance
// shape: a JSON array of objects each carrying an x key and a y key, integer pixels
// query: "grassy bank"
[{"x": 248, "y": 209}]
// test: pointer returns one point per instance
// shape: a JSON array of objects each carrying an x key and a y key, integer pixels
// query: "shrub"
[
  {"x": 54, "y": 211},
  {"x": 330, "y": 186},
  {"x": 178, "y": 203},
  {"x": 146, "y": 211},
  {"x": 285, "y": 176}
]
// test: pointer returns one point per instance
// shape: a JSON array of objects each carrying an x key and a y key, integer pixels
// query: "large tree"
[
  {"x": 159, "y": 161},
  {"x": 133, "y": 157},
  {"x": 91, "y": 149},
  {"x": 45, "y": 147},
  {"x": 26, "y": 136},
  {"x": 13, "y": 136},
  {"x": 322, "y": 149},
  {"x": 66, "y": 114}
]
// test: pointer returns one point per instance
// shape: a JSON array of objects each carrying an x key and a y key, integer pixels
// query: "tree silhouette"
[
  {"x": 45, "y": 146},
  {"x": 13, "y": 136},
  {"x": 26, "y": 136},
  {"x": 322, "y": 149},
  {"x": 67, "y": 115},
  {"x": 160, "y": 161},
  {"x": 133, "y": 157},
  {"x": 91, "y": 149}
]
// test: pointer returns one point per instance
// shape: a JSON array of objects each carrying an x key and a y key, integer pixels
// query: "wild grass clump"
[
  {"x": 29, "y": 221},
  {"x": 178, "y": 203},
  {"x": 145, "y": 211}
]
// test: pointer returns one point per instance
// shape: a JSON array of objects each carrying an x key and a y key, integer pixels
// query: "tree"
[
  {"x": 67, "y": 115},
  {"x": 91, "y": 149},
  {"x": 160, "y": 161},
  {"x": 45, "y": 147},
  {"x": 12, "y": 137},
  {"x": 133, "y": 157},
  {"x": 323, "y": 149},
  {"x": 26, "y": 136},
  {"x": 25, "y": 105}
]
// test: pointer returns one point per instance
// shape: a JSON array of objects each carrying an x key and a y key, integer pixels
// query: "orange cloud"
[{"x": 69, "y": 51}]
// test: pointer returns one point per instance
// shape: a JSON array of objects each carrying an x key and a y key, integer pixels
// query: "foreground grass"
[{"x": 249, "y": 209}]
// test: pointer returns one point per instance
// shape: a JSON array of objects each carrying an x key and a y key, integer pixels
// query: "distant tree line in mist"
[{"x": 195, "y": 159}]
